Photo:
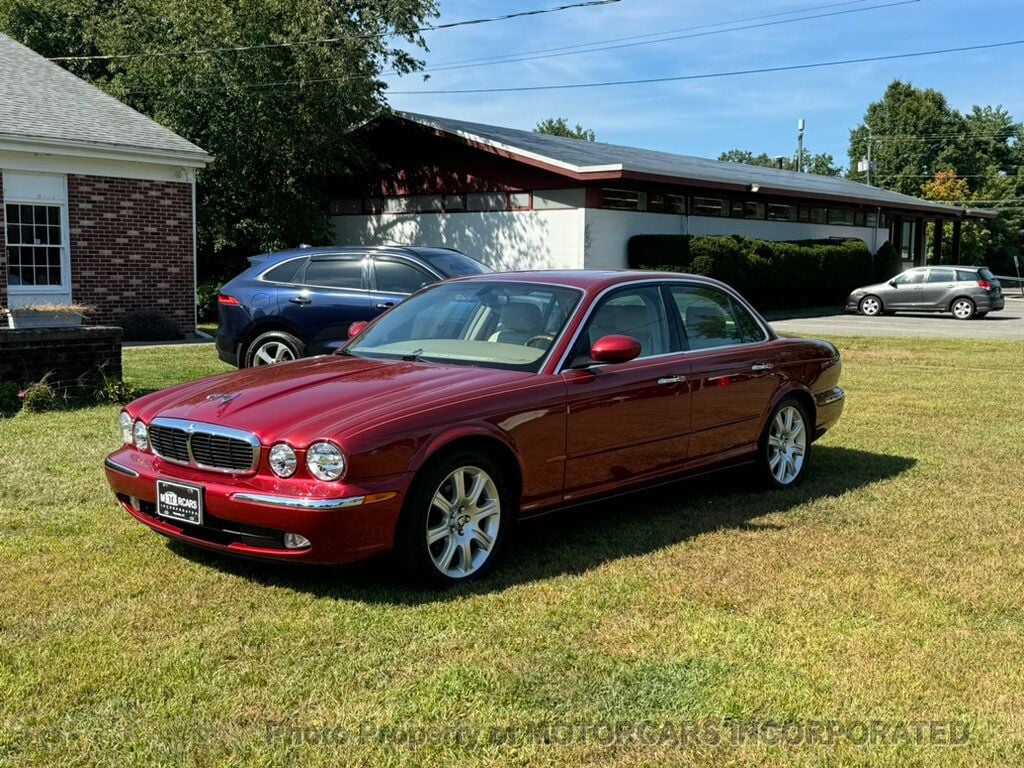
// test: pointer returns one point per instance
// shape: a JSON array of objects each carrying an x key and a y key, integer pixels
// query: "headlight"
[
  {"x": 141, "y": 435},
  {"x": 282, "y": 460},
  {"x": 125, "y": 422},
  {"x": 325, "y": 461}
]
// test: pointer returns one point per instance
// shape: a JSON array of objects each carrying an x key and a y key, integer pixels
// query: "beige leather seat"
[{"x": 519, "y": 323}]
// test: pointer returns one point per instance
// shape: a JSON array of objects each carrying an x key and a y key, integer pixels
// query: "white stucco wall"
[{"x": 547, "y": 239}]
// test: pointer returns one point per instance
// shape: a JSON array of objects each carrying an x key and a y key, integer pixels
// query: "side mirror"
[
  {"x": 615, "y": 349},
  {"x": 356, "y": 328},
  {"x": 894, "y": 284}
]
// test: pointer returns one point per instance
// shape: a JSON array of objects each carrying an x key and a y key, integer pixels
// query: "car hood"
[
  {"x": 872, "y": 288},
  {"x": 323, "y": 396}
]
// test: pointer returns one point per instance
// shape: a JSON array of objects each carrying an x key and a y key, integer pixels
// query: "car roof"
[
  {"x": 313, "y": 250},
  {"x": 586, "y": 279}
]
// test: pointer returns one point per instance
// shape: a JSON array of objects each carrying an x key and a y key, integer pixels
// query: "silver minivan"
[{"x": 965, "y": 291}]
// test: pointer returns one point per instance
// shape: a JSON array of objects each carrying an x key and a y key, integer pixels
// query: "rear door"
[
  {"x": 939, "y": 289},
  {"x": 733, "y": 369},
  {"x": 394, "y": 278},
  {"x": 331, "y": 295}
]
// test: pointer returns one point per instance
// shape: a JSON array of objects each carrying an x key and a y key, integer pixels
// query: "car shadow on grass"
[{"x": 581, "y": 538}]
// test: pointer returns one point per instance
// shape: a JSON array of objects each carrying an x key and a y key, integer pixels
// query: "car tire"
[
  {"x": 870, "y": 306},
  {"x": 447, "y": 535},
  {"x": 273, "y": 347},
  {"x": 784, "y": 450},
  {"x": 963, "y": 308}
]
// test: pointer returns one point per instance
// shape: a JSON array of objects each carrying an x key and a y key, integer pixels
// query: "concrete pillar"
[
  {"x": 937, "y": 242},
  {"x": 917, "y": 252}
]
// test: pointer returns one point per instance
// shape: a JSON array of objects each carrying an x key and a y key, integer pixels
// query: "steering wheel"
[{"x": 545, "y": 337}]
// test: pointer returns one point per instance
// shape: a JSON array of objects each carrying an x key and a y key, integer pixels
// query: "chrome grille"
[{"x": 206, "y": 446}]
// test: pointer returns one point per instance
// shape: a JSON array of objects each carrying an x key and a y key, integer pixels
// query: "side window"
[
  {"x": 914, "y": 277},
  {"x": 287, "y": 272},
  {"x": 968, "y": 277},
  {"x": 941, "y": 276},
  {"x": 712, "y": 319},
  {"x": 636, "y": 312},
  {"x": 344, "y": 272},
  {"x": 395, "y": 276}
]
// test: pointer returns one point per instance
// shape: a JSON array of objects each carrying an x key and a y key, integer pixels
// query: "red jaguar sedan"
[{"x": 473, "y": 404}]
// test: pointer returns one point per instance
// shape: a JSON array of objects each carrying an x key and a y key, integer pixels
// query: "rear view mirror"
[{"x": 356, "y": 328}]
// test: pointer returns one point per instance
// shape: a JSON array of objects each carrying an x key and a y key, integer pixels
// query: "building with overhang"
[{"x": 518, "y": 199}]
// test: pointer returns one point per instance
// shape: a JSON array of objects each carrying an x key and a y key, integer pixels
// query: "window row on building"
[
  {"x": 698, "y": 205},
  {"x": 472, "y": 202}
]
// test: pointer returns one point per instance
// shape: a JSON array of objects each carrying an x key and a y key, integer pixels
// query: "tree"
[
  {"x": 278, "y": 120},
  {"x": 559, "y": 126},
  {"x": 822, "y": 164}
]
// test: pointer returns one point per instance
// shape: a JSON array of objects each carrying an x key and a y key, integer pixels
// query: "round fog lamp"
[
  {"x": 295, "y": 541},
  {"x": 141, "y": 435},
  {"x": 125, "y": 423},
  {"x": 282, "y": 460},
  {"x": 325, "y": 461}
]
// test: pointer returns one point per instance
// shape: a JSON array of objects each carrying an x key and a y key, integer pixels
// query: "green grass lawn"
[{"x": 886, "y": 588}]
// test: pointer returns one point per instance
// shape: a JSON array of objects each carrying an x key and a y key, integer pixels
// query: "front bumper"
[{"x": 345, "y": 522}]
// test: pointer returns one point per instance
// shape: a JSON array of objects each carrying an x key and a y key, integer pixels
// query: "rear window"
[
  {"x": 451, "y": 263},
  {"x": 986, "y": 275},
  {"x": 286, "y": 272}
]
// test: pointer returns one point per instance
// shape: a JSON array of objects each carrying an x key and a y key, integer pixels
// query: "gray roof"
[
  {"x": 579, "y": 156},
  {"x": 44, "y": 102}
]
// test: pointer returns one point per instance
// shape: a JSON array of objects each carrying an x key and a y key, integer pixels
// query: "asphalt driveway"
[{"x": 1006, "y": 325}]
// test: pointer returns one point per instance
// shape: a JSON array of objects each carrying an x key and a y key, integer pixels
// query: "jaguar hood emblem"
[{"x": 224, "y": 399}]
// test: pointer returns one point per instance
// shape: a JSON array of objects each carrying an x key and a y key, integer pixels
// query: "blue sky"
[{"x": 705, "y": 117}]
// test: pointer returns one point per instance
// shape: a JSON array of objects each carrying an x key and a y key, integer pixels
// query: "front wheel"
[
  {"x": 785, "y": 446},
  {"x": 455, "y": 520},
  {"x": 963, "y": 309},
  {"x": 870, "y": 306}
]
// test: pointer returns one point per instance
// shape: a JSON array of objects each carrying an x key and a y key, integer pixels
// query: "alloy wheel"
[
  {"x": 272, "y": 352},
  {"x": 787, "y": 445},
  {"x": 463, "y": 522},
  {"x": 870, "y": 306},
  {"x": 963, "y": 309}
]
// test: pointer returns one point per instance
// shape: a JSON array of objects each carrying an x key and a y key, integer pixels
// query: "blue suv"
[{"x": 301, "y": 302}]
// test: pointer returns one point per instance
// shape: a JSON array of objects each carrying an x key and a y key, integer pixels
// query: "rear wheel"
[
  {"x": 455, "y": 520},
  {"x": 273, "y": 347},
  {"x": 963, "y": 309},
  {"x": 870, "y": 306},
  {"x": 785, "y": 446}
]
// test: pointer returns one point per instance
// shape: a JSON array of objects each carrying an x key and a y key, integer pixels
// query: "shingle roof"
[
  {"x": 43, "y": 101},
  {"x": 581, "y": 157}
]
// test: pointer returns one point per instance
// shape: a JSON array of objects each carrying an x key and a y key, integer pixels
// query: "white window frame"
[{"x": 19, "y": 189}]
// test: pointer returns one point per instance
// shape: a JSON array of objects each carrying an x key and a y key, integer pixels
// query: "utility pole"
[
  {"x": 800, "y": 125},
  {"x": 869, "y": 155}
]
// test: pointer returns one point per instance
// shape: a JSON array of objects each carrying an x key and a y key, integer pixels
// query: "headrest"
[{"x": 521, "y": 317}]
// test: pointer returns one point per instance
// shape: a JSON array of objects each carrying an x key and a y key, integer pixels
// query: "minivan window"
[{"x": 344, "y": 272}]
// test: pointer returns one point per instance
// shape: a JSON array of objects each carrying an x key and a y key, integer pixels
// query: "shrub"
[
  {"x": 769, "y": 274},
  {"x": 887, "y": 262},
  {"x": 10, "y": 403},
  {"x": 115, "y": 392},
  {"x": 150, "y": 325},
  {"x": 39, "y": 398},
  {"x": 206, "y": 300}
]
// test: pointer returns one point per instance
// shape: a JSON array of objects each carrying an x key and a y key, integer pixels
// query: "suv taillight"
[
  {"x": 230, "y": 301},
  {"x": 985, "y": 285}
]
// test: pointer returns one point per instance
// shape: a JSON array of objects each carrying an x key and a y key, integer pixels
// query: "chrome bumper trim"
[
  {"x": 834, "y": 396},
  {"x": 113, "y": 465},
  {"x": 297, "y": 502}
]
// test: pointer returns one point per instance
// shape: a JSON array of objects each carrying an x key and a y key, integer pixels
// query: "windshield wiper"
[{"x": 413, "y": 357}]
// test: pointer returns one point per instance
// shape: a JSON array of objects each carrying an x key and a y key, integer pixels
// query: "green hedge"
[{"x": 771, "y": 275}]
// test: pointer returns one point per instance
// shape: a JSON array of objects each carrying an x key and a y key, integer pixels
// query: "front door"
[
  {"x": 907, "y": 290},
  {"x": 394, "y": 279},
  {"x": 629, "y": 419}
]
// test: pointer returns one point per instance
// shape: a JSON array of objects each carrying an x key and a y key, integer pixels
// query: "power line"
[
  {"x": 603, "y": 84},
  {"x": 711, "y": 75},
  {"x": 494, "y": 61},
  {"x": 329, "y": 40}
]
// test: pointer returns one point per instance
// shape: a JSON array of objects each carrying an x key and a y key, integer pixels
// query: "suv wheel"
[
  {"x": 273, "y": 347},
  {"x": 963, "y": 309}
]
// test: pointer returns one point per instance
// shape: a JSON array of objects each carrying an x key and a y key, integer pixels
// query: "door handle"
[
  {"x": 762, "y": 367},
  {"x": 300, "y": 300},
  {"x": 386, "y": 305},
  {"x": 670, "y": 380}
]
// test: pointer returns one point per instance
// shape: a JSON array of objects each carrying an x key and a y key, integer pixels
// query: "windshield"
[
  {"x": 489, "y": 324},
  {"x": 452, "y": 263}
]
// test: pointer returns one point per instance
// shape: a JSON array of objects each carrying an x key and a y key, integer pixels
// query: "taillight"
[
  {"x": 230, "y": 301},
  {"x": 985, "y": 285}
]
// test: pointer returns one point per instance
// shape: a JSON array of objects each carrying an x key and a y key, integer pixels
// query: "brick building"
[{"x": 97, "y": 202}]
